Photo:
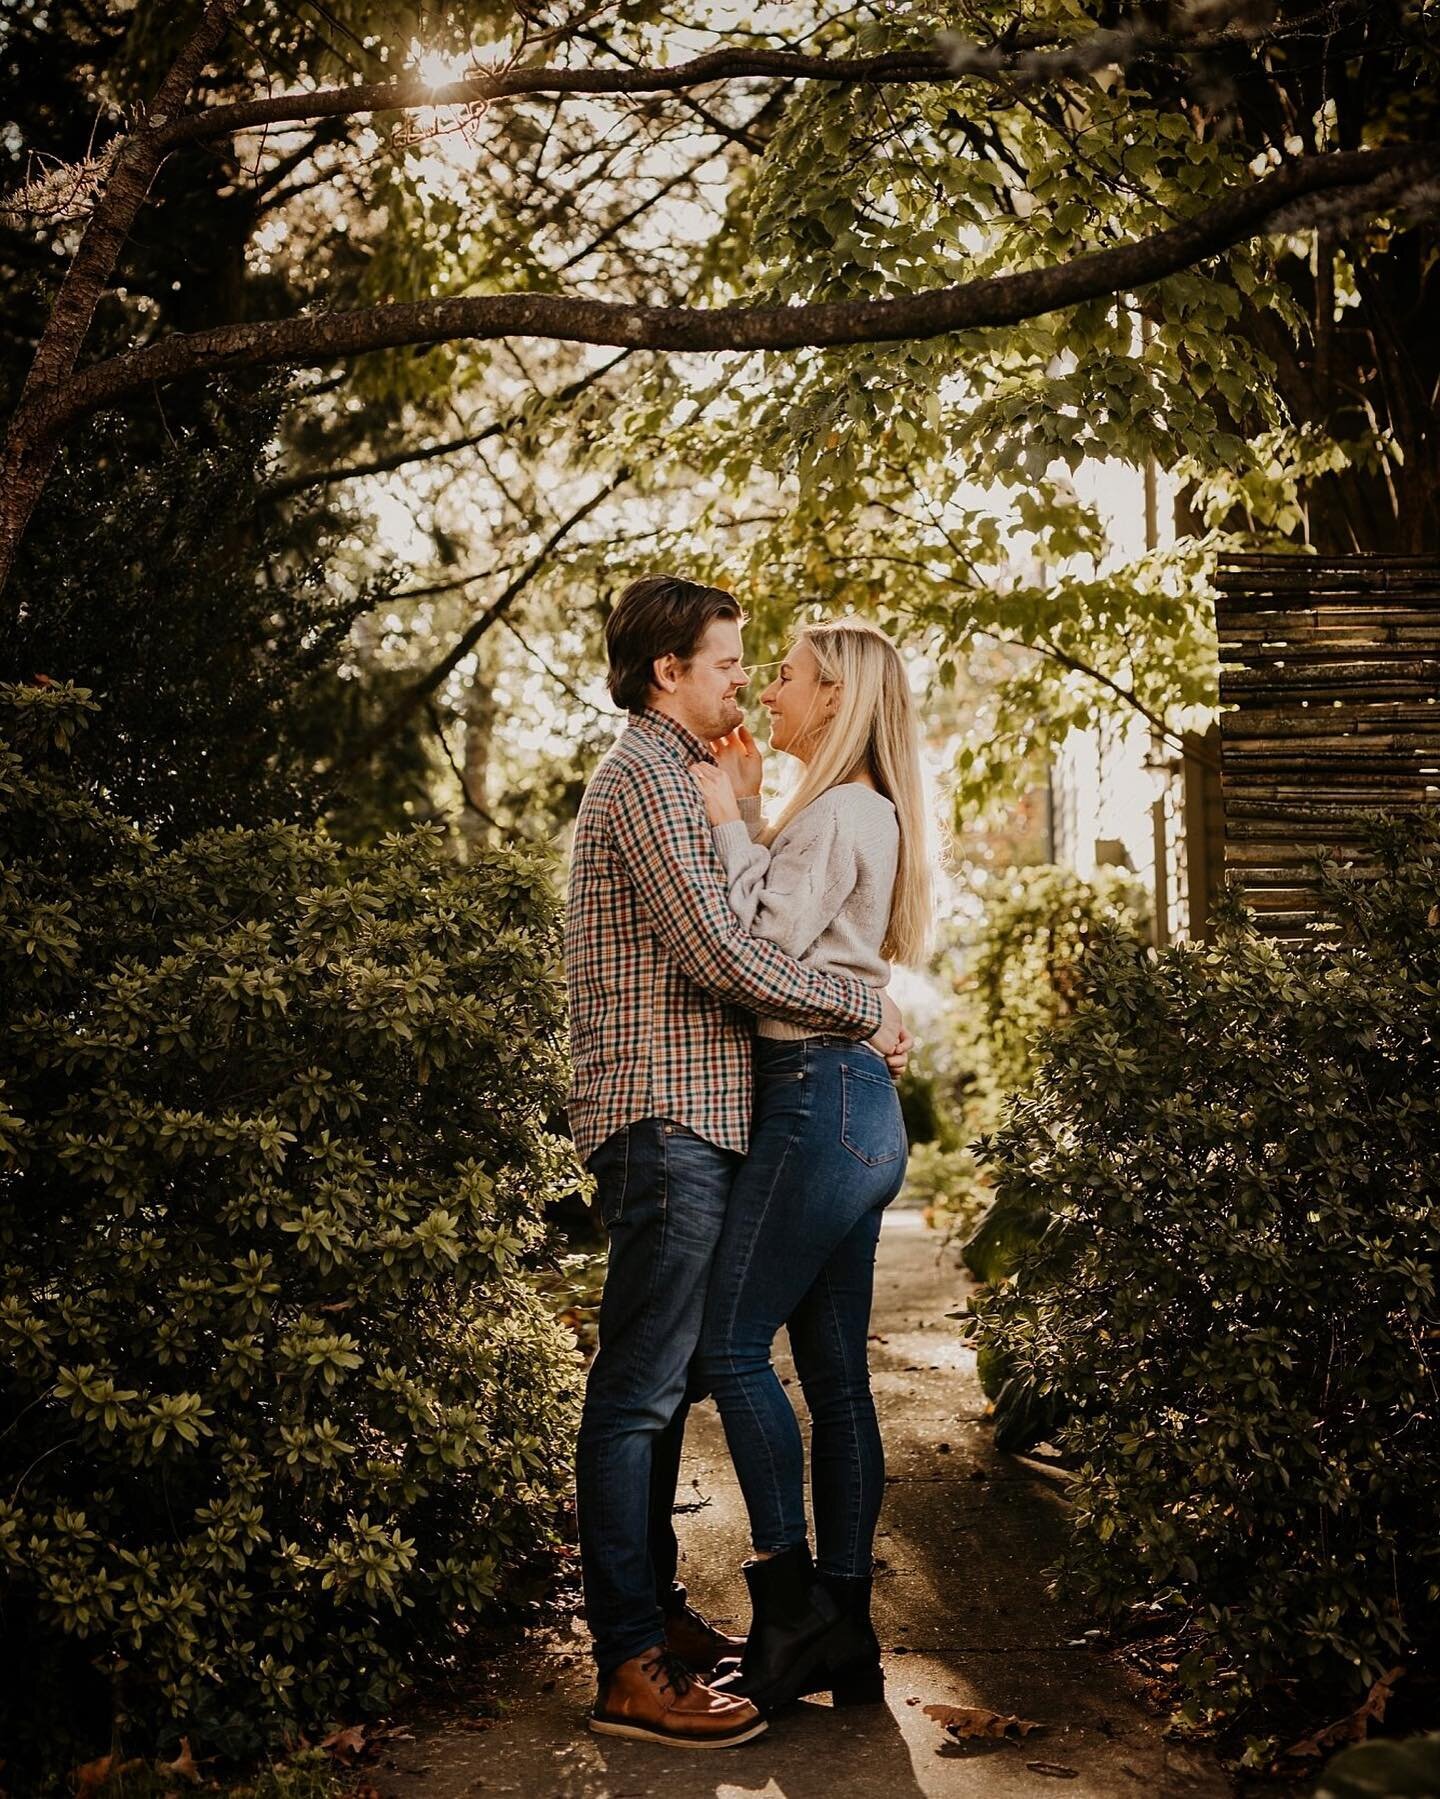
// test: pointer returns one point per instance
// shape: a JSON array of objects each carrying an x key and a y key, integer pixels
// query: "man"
[{"x": 664, "y": 983}]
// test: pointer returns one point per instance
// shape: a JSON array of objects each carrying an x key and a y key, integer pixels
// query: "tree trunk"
[
  {"x": 480, "y": 715},
  {"x": 36, "y": 426}
]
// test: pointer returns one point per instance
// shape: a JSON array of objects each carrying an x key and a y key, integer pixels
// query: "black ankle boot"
[
  {"x": 860, "y": 1680},
  {"x": 798, "y": 1633}
]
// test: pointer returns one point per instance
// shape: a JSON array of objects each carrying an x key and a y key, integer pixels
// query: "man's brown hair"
[{"x": 658, "y": 615}]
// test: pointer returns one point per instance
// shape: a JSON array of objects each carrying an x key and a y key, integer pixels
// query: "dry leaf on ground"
[
  {"x": 184, "y": 1766},
  {"x": 1355, "y": 1726},
  {"x": 968, "y": 1722},
  {"x": 349, "y": 1741},
  {"x": 94, "y": 1777}
]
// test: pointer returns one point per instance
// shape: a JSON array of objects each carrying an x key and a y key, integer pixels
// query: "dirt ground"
[{"x": 961, "y": 1609}]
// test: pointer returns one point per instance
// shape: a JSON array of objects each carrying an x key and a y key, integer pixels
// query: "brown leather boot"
[
  {"x": 697, "y": 1642},
  {"x": 656, "y": 1698}
]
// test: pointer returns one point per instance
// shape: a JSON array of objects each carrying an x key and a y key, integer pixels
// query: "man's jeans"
[
  {"x": 827, "y": 1155},
  {"x": 662, "y": 1193}
]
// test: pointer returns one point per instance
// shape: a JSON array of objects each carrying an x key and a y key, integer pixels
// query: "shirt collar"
[{"x": 673, "y": 734}]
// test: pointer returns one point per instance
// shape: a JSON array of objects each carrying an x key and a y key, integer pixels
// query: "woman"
[{"x": 841, "y": 881}]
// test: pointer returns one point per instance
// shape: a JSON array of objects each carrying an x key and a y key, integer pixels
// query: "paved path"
[{"x": 961, "y": 1611}]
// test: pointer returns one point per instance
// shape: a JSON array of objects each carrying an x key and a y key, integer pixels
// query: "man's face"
[{"x": 704, "y": 695}]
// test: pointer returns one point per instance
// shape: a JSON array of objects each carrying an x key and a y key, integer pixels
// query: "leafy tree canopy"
[{"x": 1282, "y": 384}]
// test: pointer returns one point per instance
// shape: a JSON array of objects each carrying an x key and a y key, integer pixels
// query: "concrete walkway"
[{"x": 961, "y": 1610}]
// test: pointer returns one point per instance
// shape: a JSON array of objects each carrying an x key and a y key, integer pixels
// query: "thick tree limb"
[
  {"x": 412, "y": 92},
  {"x": 995, "y": 300}
]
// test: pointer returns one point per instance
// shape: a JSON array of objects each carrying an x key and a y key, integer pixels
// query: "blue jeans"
[
  {"x": 827, "y": 1155},
  {"x": 662, "y": 1194}
]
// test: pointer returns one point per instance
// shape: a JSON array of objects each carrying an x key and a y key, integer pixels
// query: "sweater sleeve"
[
  {"x": 791, "y": 893},
  {"x": 751, "y": 816}
]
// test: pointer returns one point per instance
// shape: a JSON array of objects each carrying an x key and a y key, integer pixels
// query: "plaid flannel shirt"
[{"x": 664, "y": 980}]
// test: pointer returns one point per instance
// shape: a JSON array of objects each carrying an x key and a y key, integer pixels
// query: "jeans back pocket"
[{"x": 871, "y": 1127}]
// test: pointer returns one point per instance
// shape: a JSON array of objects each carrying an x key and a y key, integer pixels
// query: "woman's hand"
[
  {"x": 719, "y": 795},
  {"x": 739, "y": 756}
]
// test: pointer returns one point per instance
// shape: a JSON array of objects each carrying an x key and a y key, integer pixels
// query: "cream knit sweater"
[{"x": 822, "y": 891}]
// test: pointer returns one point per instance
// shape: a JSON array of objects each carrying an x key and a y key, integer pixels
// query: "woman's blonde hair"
[{"x": 873, "y": 728}]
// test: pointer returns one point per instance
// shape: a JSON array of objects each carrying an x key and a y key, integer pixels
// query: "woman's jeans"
[
  {"x": 662, "y": 1193},
  {"x": 827, "y": 1155}
]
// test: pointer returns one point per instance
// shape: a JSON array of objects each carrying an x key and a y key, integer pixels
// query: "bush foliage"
[
  {"x": 1027, "y": 966},
  {"x": 1025, "y": 975},
  {"x": 1233, "y": 1149},
  {"x": 281, "y": 1410}
]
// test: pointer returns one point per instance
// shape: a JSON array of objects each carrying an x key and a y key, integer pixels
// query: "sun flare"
[{"x": 436, "y": 67}]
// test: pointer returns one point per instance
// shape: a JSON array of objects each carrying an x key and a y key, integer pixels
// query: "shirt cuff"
[{"x": 750, "y": 815}]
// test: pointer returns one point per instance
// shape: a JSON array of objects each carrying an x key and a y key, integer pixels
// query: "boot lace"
[{"x": 669, "y": 1672}]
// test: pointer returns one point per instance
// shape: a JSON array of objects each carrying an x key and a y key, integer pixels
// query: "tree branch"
[
  {"x": 420, "y": 691},
  {"x": 318, "y": 338},
  {"x": 35, "y": 429},
  {"x": 404, "y": 458},
  {"x": 507, "y": 84}
]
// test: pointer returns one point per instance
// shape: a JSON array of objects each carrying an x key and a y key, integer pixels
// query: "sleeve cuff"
[{"x": 731, "y": 838}]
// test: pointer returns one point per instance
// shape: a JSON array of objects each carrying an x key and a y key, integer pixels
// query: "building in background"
[{"x": 1122, "y": 796}]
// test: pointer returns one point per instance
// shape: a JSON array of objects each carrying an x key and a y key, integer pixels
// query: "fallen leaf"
[
  {"x": 94, "y": 1777},
  {"x": 184, "y": 1766},
  {"x": 1354, "y": 1727},
  {"x": 1056, "y": 1770},
  {"x": 349, "y": 1741},
  {"x": 965, "y": 1722}
]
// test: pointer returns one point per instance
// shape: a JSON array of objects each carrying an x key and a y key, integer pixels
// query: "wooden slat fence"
[{"x": 1330, "y": 706}]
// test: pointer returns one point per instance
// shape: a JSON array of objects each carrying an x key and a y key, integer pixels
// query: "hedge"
[
  {"x": 1232, "y": 1153},
  {"x": 280, "y": 1411}
]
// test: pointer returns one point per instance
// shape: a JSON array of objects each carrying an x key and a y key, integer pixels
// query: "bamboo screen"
[{"x": 1330, "y": 707}]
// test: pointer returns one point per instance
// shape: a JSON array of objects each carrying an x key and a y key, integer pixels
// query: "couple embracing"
[{"x": 734, "y": 1051}]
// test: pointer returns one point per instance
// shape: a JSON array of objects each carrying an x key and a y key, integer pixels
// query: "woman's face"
[{"x": 799, "y": 703}]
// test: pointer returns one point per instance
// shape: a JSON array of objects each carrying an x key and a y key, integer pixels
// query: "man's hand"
[
  {"x": 892, "y": 1028},
  {"x": 719, "y": 794},
  {"x": 739, "y": 755},
  {"x": 899, "y": 1059}
]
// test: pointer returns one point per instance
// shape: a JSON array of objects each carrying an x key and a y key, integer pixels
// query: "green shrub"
[
  {"x": 1027, "y": 964},
  {"x": 1026, "y": 976},
  {"x": 280, "y": 1409},
  {"x": 1233, "y": 1300}
]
